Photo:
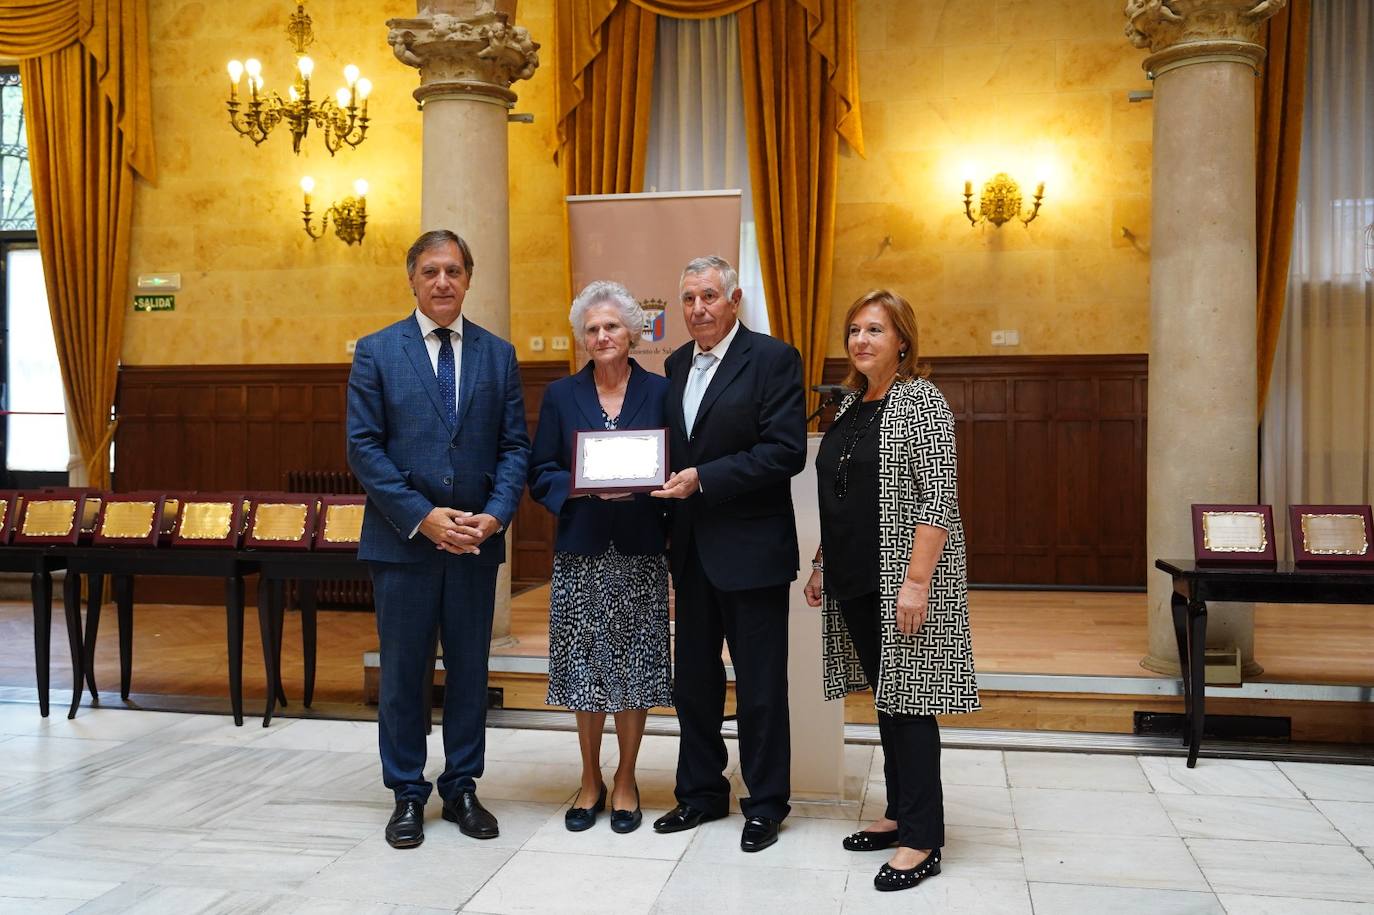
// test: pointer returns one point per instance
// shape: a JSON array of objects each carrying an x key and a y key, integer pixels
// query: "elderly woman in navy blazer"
[{"x": 608, "y": 606}]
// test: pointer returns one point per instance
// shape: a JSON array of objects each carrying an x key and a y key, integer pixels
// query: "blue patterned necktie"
[
  {"x": 696, "y": 388},
  {"x": 447, "y": 375}
]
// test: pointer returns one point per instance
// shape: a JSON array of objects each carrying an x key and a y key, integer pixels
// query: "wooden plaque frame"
[
  {"x": 582, "y": 486},
  {"x": 326, "y": 539},
  {"x": 1303, "y": 556},
  {"x": 302, "y": 541},
  {"x": 182, "y": 537}
]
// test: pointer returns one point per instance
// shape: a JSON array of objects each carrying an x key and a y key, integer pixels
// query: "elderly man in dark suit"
[
  {"x": 436, "y": 435},
  {"x": 737, "y": 434}
]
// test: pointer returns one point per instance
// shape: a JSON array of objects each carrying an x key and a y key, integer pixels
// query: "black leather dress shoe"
[
  {"x": 406, "y": 828},
  {"x": 683, "y": 816},
  {"x": 868, "y": 840},
  {"x": 759, "y": 833},
  {"x": 579, "y": 818},
  {"x": 890, "y": 878},
  {"x": 623, "y": 821},
  {"x": 472, "y": 818}
]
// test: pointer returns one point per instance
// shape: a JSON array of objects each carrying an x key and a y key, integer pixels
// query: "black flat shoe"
[
  {"x": 473, "y": 820},
  {"x": 580, "y": 818},
  {"x": 759, "y": 833},
  {"x": 890, "y": 878},
  {"x": 683, "y": 816},
  {"x": 623, "y": 821},
  {"x": 406, "y": 828},
  {"x": 868, "y": 840}
]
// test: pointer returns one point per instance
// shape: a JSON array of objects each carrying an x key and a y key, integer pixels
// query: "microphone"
[{"x": 831, "y": 394}]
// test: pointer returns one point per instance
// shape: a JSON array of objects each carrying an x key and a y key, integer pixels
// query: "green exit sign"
[{"x": 155, "y": 303}]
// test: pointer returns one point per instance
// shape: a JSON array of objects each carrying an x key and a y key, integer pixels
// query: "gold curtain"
[
  {"x": 84, "y": 68},
  {"x": 604, "y": 138},
  {"x": 801, "y": 93},
  {"x": 1278, "y": 121}
]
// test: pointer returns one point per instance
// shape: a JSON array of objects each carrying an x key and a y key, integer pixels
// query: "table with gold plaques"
[{"x": 1196, "y": 583}]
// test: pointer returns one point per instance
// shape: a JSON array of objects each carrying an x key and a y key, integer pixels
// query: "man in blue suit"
[{"x": 436, "y": 435}]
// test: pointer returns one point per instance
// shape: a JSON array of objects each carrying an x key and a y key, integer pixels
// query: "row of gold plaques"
[
  {"x": 1322, "y": 535},
  {"x": 148, "y": 519}
]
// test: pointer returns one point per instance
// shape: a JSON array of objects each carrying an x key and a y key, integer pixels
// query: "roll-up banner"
[{"x": 643, "y": 241}]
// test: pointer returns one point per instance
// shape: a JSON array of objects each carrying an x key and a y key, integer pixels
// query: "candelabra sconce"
[
  {"x": 349, "y": 214},
  {"x": 1000, "y": 201},
  {"x": 255, "y": 116}
]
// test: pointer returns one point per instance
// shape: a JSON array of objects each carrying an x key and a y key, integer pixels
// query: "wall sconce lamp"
[
  {"x": 350, "y": 214},
  {"x": 1000, "y": 201},
  {"x": 342, "y": 123}
]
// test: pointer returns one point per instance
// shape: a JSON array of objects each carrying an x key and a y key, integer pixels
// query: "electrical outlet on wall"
[
  {"x": 559, "y": 344},
  {"x": 350, "y": 345},
  {"x": 1013, "y": 337},
  {"x": 999, "y": 338},
  {"x": 536, "y": 344}
]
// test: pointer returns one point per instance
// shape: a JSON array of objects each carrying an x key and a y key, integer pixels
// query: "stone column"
[
  {"x": 469, "y": 52},
  {"x": 1202, "y": 443}
]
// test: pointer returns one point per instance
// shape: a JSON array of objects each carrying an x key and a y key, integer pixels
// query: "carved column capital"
[
  {"x": 1180, "y": 32},
  {"x": 471, "y": 49}
]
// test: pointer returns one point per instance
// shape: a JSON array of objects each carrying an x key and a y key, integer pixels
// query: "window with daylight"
[{"x": 33, "y": 436}]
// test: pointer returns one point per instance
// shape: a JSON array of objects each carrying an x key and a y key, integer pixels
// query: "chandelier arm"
[{"x": 968, "y": 209}]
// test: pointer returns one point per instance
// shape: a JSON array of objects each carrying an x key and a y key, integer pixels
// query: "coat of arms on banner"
[{"x": 655, "y": 325}]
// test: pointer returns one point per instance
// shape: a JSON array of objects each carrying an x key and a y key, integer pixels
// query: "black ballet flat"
[
  {"x": 623, "y": 821},
  {"x": 890, "y": 878},
  {"x": 868, "y": 840},
  {"x": 579, "y": 818}
]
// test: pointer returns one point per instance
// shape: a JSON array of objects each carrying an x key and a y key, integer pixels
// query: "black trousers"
[
  {"x": 911, "y": 743},
  {"x": 754, "y": 624}
]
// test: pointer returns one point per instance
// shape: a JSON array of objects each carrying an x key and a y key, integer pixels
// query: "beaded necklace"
[{"x": 852, "y": 440}]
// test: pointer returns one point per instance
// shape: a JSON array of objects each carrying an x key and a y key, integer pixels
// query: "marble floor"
[{"x": 136, "y": 811}]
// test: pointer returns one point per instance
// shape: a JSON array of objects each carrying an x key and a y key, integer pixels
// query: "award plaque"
[
  {"x": 1234, "y": 534},
  {"x": 9, "y": 510},
  {"x": 64, "y": 516},
  {"x": 619, "y": 460},
  {"x": 1332, "y": 535},
  {"x": 284, "y": 522},
  {"x": 129, "y": 520},
  {"x": 341, "y": 523},
  {"x": 210, "y": 519}
]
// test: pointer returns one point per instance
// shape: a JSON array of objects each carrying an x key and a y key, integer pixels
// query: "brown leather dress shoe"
[{"x": 472, "y": 818}]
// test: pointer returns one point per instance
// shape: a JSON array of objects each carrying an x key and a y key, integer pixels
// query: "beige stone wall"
[
  {"x": 226, "y": 215},
  {"x": 1007, "y": 84},
  {"x": 1002, "y": 82}
]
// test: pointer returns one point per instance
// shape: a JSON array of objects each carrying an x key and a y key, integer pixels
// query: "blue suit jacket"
[
  {"x": 409, "y": 458},
  {"x": 588, "y": 525}
]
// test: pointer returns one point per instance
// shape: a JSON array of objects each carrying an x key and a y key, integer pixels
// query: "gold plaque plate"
[
  {"x": 343, "y": 523},
  {"x": 51, "y": 518},
  {"x": 130, "y": 520},
  {"x": 1234, "y": 532},
  {"x": 284, "y": 522},
  {"x": 1335, "y": 535},
  {"x": 206, "y": 520},
  {"x": 4, "y": 511}
]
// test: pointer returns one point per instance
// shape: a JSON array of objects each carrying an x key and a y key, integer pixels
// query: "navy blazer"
[
  {"x": 409, "y": 458},
  {"x": 748, "y": 442},
  {"x": 587, "y": 525}
]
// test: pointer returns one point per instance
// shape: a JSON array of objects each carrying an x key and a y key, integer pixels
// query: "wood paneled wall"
[{"x": 1051, "y": 452}]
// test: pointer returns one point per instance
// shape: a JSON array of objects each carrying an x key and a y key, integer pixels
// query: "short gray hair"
[
  {"x": 605, "y": 292},
  {"x": 437, "y": 238},
  {"x": 729, "y": 277}
]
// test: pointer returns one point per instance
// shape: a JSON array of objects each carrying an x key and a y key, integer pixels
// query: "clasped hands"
[{"x": 457, "y": 531}]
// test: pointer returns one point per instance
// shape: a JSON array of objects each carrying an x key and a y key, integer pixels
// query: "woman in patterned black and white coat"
[
  {"x": 891, "y": 572},
  {"x": 608, "y": 603}
]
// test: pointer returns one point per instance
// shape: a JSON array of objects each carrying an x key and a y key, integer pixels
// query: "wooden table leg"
[
  {"x": 233, "y": 610},
  {"x": 1197, "y": 673},
  {"x": 71, "y": 610},
  {"x": 306, "y": 590},
  {"x": 1179, "y": 604},
  {"x": 123, "y": 586},
  {"x": 95, "y": 586},
  {"x": 267, "y": 627},
  {"x": 41, "y": 586},
  {"x": 279, "y": 592}
]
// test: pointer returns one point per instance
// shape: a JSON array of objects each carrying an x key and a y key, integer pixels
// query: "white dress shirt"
[{"x": 427, "y": 327}]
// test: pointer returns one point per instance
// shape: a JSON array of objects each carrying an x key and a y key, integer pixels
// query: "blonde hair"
[{"x": 903, "y": 320}]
